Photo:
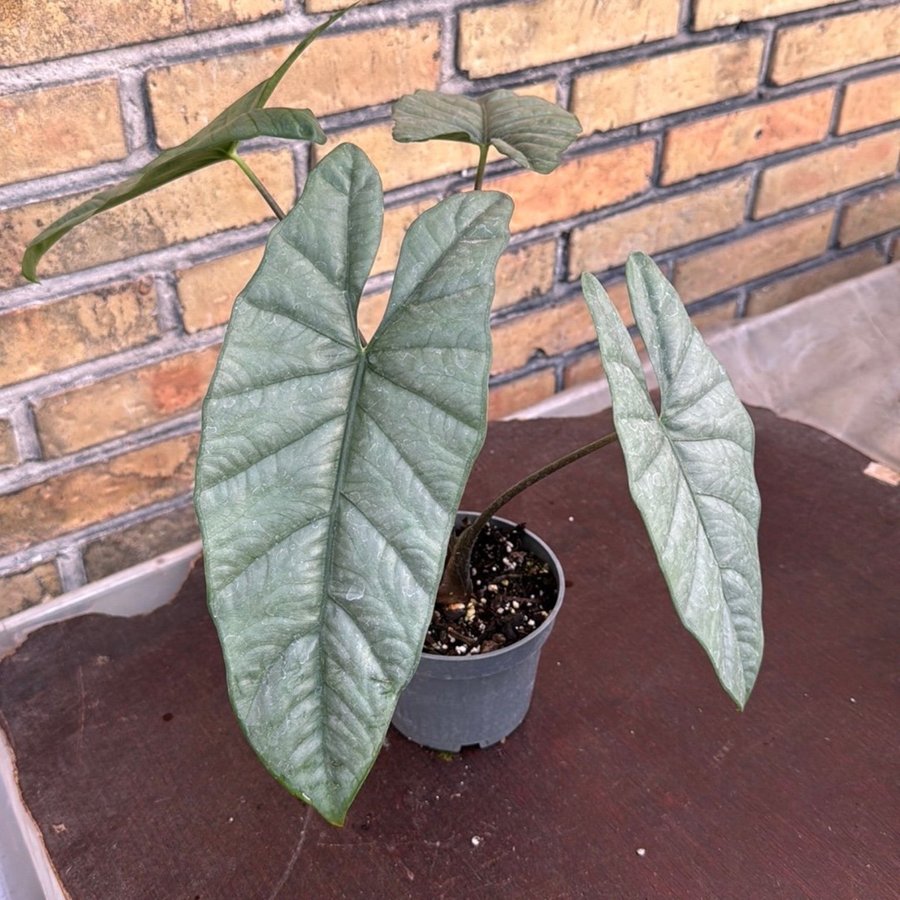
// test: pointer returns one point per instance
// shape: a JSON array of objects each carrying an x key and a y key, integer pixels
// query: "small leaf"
[
  {"x": 690, "y": 470},
  {"x": 529, "y": 130},
  {"x": 242, "y": 120},
  {"x": 329, "y": 473}
]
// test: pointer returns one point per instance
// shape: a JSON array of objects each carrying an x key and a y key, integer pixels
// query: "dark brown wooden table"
[{"x": 633, "y": 775}]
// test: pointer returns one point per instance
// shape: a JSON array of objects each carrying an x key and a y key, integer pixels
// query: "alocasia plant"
[{"x": 330, "y": 468}]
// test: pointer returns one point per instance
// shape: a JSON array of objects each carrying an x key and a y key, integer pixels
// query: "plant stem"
[
  {"x": 273, "y": 203},
  {"x": 482, "y": 161},
  {"x": 461, "y": 549}
]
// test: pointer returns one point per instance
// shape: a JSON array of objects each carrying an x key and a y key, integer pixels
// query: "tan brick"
[
  {"x": 651, "y": 88},
  {"x": 204, "y": 14},
  {"x": 618, "y": 295},
  {"x": 32, "y": 31},
  {"x": 712, "y": 13},
  {"x": 748, "y": 258},
  {"x": 123, "y": 549},
  {"x": 29, "y": 588},
  {"x": 584, "y": 370},
  {"x": 829, "y": 44},
  {"x": 215, "y": 199},
  {"x": 547, "y": 332},
  {"x": 401, "y": 164},
  {"x": 714, "y": 317},
  {"x": 95, "y": 493},
  {"x": 58, "y": 129},
  {"x": 345, "y": 71},
  {"x": 207, "y": 291},
  {"x": 873, "y": 214},
  {"x": 41, "y": 339},
  {"x": 579, "y": 185},
  {"x": 731, "y": 138},
  {"x": 795, "y": 287},
  {"x": 521, "y": 35},
  {"x": 521, "y": 273},
  {"x": 524, "y": 273},
  {"x": 827, "y": 172},
  {"x": 371, "y": 312},
  {"x": 658, "y": 226},
  {"x": 111, "y": 407},
  {"x": 317, "y": 6},
  {"x": 509, "y": 398},
  {"x": 894, "y": 251},
  {"x": 396, "y": 221},
  {"x": 9, "y": 453},
  {"x": 870, "y": 101}
]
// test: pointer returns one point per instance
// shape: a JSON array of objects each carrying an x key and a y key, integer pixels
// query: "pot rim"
[{"x": 540, "y": 630}]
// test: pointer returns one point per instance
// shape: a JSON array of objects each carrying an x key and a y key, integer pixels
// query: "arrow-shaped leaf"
[
  {"x": 329, "y": 472},
  {"x": 242, "y": 120},
  {"x": 690, "y": 470},
  {"x": 529, "y": 130}
]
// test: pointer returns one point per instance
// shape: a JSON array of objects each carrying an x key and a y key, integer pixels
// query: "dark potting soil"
[{"x": 513, "y": 593}]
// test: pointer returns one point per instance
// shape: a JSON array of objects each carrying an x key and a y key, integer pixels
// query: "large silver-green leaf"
[
  {"x": 329, "y": 472},
  {"x": 690, "y": 470},
  {"x": 529, "y": 130},
  {"x": 242, "y": 120}
]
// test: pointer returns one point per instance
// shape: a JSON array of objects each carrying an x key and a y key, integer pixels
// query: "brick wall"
[{"x": 750, "y": 145}]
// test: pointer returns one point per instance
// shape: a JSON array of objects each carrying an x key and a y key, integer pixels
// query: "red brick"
[
  {"x": 751, "y": 133},
  {"x": 41, "y": 339},
  {"x": 650, "y": 88},
  {"x": 826, "y": 172},
  {"x": 111, "y": 407},
  {"x": 95, "y": 493},
  {"x": 830, "y": 44}
]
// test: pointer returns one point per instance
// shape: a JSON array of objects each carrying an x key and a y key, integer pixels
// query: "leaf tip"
[{"x": 29, "y": 266}]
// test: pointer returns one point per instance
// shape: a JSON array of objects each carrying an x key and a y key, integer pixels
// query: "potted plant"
[{"x": 331, "y": 468}]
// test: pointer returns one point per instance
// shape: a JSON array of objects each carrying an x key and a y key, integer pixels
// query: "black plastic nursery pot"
[{"x": 457, "y": 701}]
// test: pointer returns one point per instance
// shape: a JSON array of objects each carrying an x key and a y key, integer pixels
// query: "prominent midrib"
[{"x": 328, "y": 562}]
